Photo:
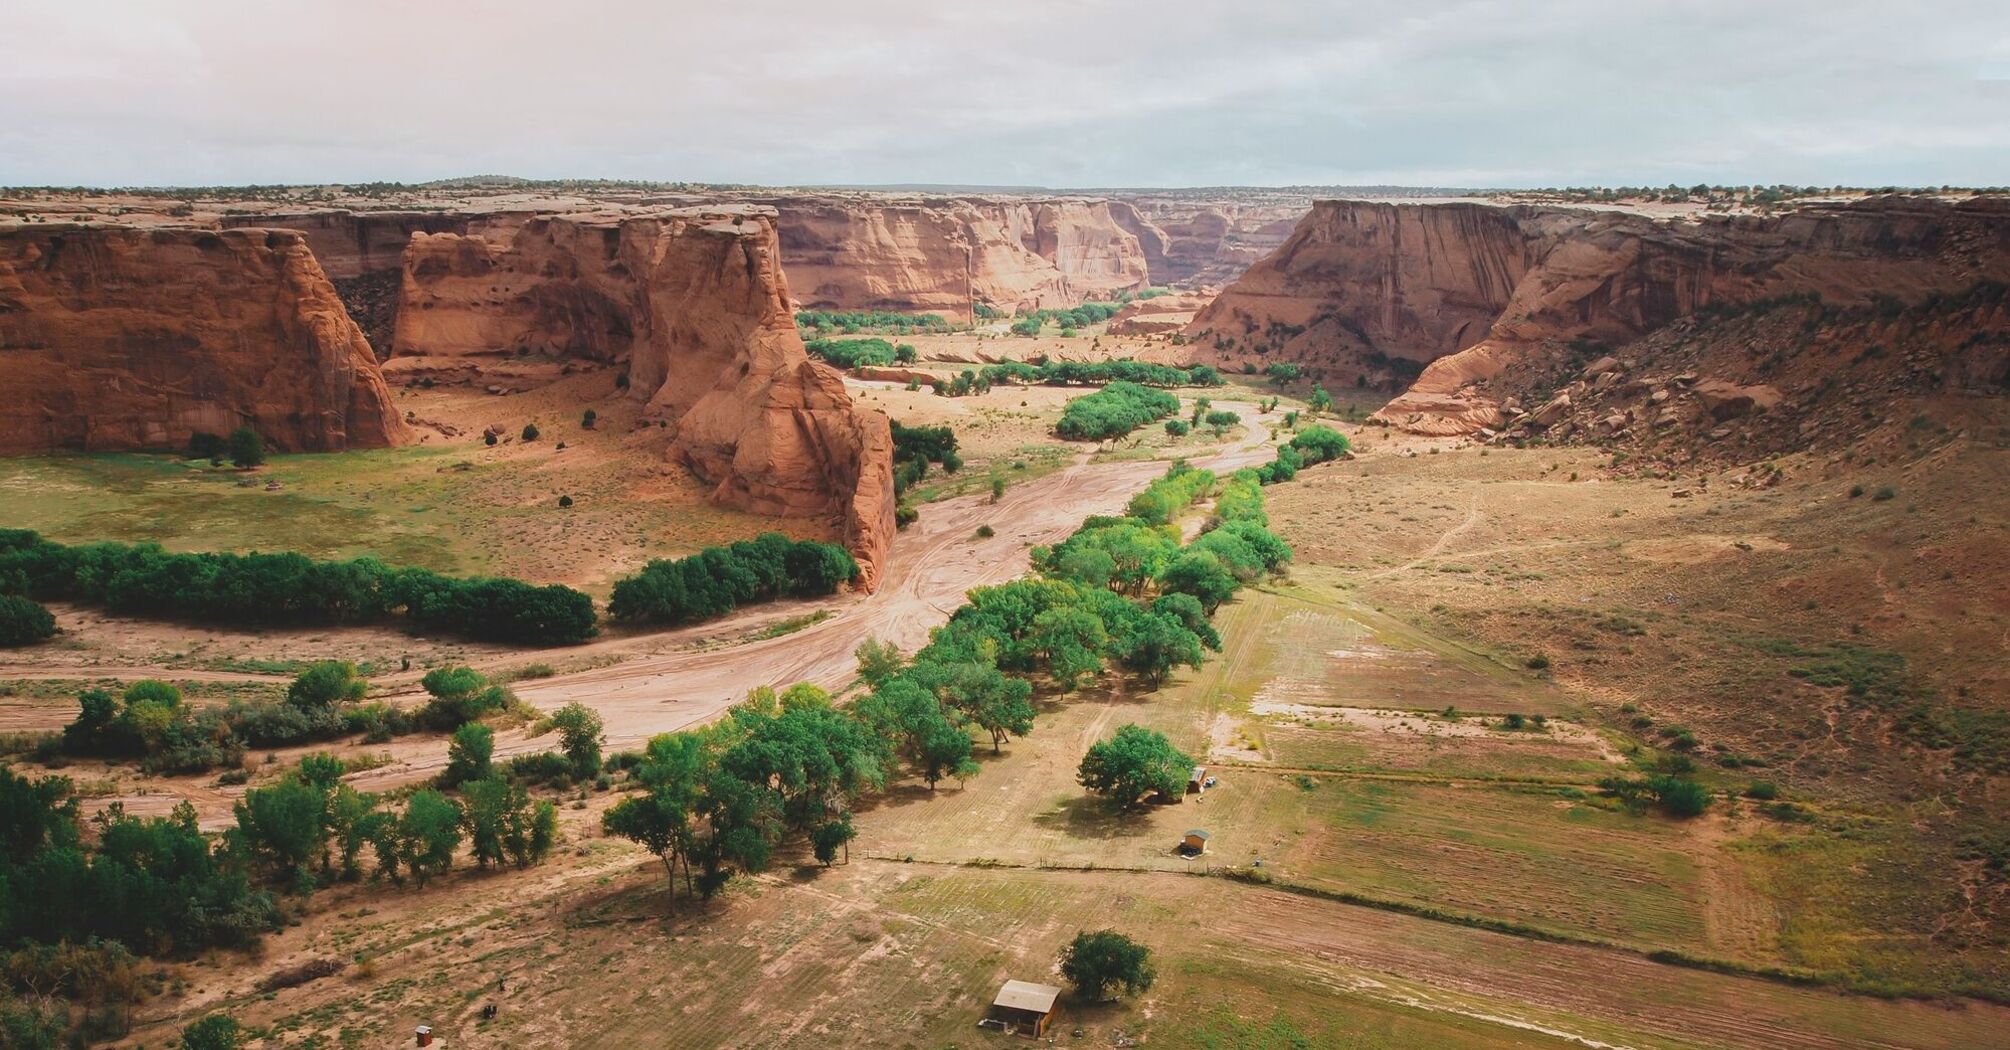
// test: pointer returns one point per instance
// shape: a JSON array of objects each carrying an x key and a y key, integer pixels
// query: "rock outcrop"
[
  {"x": 122, "y": 338},
  {"x": 942, "y": 254},
  {"x": 1368, "y": 291},
  {"x": 362, "y": 253},
  {"x": 694, "y": 301}
]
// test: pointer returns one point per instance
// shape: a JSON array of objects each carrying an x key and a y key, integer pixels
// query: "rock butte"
[
  {"x": 117, "y": 338},
  {"x": 1471, "y": 290},
  {"x": 695, "y": 302}
]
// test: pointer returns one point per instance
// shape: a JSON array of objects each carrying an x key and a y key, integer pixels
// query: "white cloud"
[{"x": 1085, "y": 92}]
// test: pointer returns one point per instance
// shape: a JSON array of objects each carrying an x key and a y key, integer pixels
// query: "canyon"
[{"x": 1483, "y": 304}]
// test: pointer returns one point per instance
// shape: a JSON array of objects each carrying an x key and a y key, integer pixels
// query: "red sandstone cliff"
[
  {"x": 694, "y": 300},
  {"x": 940, "y": 254},
  {"x": 122, "y": 338},
  {"x": 1474, "y": 289}
]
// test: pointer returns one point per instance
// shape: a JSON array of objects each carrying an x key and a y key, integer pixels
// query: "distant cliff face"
[
  {"x": 938, "y": 255},
  {"x": 1472, "y": 288},
  {"x": 1210, "y": 242},
  {"x": 695, "y": 302},
  {"x": 120, "y": 338}
]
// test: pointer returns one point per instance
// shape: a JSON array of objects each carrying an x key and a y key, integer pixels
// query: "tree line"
[
  {"x": 79, "y": 908},
  {"x": 852, "y": 322},
  {"x": 1121, "y": 594},
  {"x": 717, "y": 580},
  {"x": 853, "y": 353},
  {"x": 288, "y": 588}
]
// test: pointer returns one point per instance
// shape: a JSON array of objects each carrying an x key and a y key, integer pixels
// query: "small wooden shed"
[
  {"x": 1197, "y": 783},
  {"x": 1195, "y": 841},
  {"x": 1027, "y": 1007}
]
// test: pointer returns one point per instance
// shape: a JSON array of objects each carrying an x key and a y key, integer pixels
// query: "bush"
[
  {"x": 24, "y": 622},
  {"x": 530, "y": 431},
  {"x": 1177, "y": 428},
  {"x": 1762, "y": 790}
]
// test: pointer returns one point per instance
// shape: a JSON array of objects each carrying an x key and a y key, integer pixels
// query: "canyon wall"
[
  {"x": 1209, "y": 242},
  {"x": 938, "y": 255},
  {"x": 695, "y": 302},
  {"x": 1469, "y": 289},
  {"x": 361, "y": 252},
  {"x": 118, "y": 338}
]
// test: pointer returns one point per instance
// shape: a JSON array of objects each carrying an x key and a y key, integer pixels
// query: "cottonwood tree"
[
  {"x": 1096, "y": 963},
  {"x": 579, "y": 735},
  {"x": 1133, "y": 764},
  {"x": 469, "y": 754},
  {"x": 504, "y": 824}
]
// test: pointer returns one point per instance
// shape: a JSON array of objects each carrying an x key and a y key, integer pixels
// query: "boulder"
[
  {"x": 1725, "y": 400},
  {"x": 1551, "y": 411}
]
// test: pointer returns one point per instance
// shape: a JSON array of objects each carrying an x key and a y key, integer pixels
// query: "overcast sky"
[{"x": 1007, "y": 92}]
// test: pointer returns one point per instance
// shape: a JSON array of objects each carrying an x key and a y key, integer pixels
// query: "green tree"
[
  {"x": 1219, "y": 422},
  {"x": 247, "y": 450},
  {"x": 990, "y": 699},
  {"x": 1177, "y": 428},
  {"x": 425, "y": 835},
  {"x": 878, "y": 661},
  {"x": 215, "y": 1032},
  {"x": 1071, "y": 641},
  {"x": 1097, "y": 963},
  {"x": 1201, "y": 574},
  {"x": 1282, "y": 372},
  {"x": 282, "y": 826},
  {"x": 24, "y": 622},
  {"x": 1320, "y": 401},
  {"x": 579, "y": 736},
  {"x": 469, "y": 754},
  {"x": 325, "y": 684},
  {"x": 1134, "y": 763},
  {"x": 827, "y": 838},
  {"x": 505, "y": 825},
  {"x": 1153, "y": 644}
]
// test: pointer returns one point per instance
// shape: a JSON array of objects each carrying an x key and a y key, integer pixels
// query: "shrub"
[
  {"x": 1177, "y": 428},
  {"x": 564, "y": 502},
  {"x": 247, "y": 450},
  {"x": 530, "y": 431},
  {"x": 1762, "y": 790},
  {"x": 985, "y": 532}
]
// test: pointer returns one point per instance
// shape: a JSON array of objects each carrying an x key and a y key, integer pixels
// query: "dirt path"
[{"x": 1437, "y": 547}]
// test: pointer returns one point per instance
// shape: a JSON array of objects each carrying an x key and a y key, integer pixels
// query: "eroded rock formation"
[
  {"x": 1475, "y": 290},
  {"x": 123, "y": 338},
  {"x": 695, "y": 302},
  {"x": 940, "y": 255}
]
